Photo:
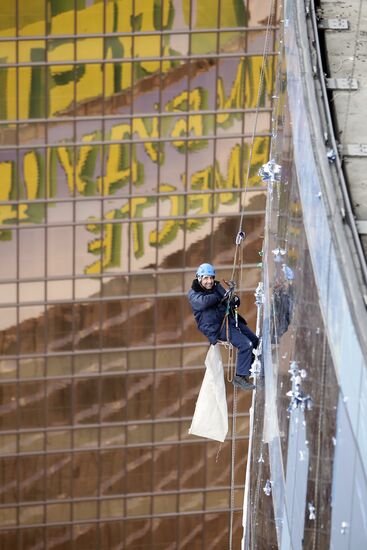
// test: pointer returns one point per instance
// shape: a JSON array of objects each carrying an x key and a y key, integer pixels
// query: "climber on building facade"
[{"x": 215, "y": 312}]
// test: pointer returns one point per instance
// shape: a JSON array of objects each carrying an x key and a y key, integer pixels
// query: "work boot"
[{"x": 243, "y": 382}]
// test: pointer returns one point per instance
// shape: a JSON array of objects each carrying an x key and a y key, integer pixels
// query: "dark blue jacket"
[{"x": 208, "y": 309}]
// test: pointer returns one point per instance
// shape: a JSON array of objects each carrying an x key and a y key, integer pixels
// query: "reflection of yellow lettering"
[
  {"x": 170, "y": 227},
  {"x": 7, "y": 212},
  {"x": 252, "y": 80},
  {"x": 233, "y": 180},
  {"x": 192, "y": 100},
  {"x": 135, "y": 209},
  {"x": 79, "y": 171},
  {"x": 120, "y": 167},
  {"x": 203, "y": 180},
  {"x": 139, "y": 126},
  {"x": 236, "y": 96},
  {"x": 108, "y": 246}
]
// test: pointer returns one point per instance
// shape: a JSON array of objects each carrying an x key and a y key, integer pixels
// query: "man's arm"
[{"x": 200, "y": 301}]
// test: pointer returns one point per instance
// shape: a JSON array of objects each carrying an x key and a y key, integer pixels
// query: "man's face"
[{"x": 207, "y": 282}]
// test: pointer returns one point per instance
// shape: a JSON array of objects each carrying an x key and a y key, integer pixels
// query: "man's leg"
[{"x": 244, "y": 346}]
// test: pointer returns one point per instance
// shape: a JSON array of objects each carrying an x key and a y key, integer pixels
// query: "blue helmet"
[{"x": 205, "y": 270}]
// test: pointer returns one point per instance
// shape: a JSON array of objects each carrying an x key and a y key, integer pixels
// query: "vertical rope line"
[
  {"x": 259, "y": 94},
  {"x": 233, "y": 454}
]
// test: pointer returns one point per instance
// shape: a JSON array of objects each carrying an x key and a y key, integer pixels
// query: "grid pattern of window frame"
[{"x": 94, "y": 427}]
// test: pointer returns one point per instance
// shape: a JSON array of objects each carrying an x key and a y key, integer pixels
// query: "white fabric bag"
[{"x": 211, "y": 414}]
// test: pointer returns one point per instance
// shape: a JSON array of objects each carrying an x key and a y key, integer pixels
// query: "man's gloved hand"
[{"x": 235, "y": 301}]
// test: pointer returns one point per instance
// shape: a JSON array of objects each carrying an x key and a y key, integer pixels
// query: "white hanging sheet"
[{"x": 211, "y": 414}]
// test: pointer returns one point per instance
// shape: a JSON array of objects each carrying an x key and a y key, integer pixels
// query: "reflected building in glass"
[{"x": 125, "y": 132}]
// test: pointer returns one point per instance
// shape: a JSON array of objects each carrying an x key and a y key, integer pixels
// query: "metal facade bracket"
[
  {"x": 342, "y": 83},
  {"x": 355, "y": 150},
  {"x": 333, "y": 24}
]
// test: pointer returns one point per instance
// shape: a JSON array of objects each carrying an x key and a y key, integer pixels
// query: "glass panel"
[
  {"x": 32, "y": 89},
  {"x": 115, "y": 319},
  {"x": 31, "y": 252},
  {"x": 141, "y": 322},
  {"x": 31, "y": 471},
  {"x": 7, "y": 52},
  {"x": 113, "y": 475},
  {"x": 139, "y": 396},
  {"x": 60, "y": 251},
  {"x": 32, "y": 404},
  {"x": 139, "y": 463},
  {"x": 85, "y": 470},
  {"x": 61, "y": 49},
  {"x": 61, "y": 87},
  {"x": 89, "y": 48},
  {"x": 85, "y": 396},
  {"x": 8, "y": 99},
  {"x": 141, "y": 360},
  {"x": 166, "y": 473},
  {"x": 59, "y": 405},
  {"x": 113, "y": 401},
  {"x": 8, "y": 293},
  {"x": 90, "y": 19},
  {"x": 32, "y": 336},
  {"x": 8, "y": 19},
  {"x": 9, "y": 407},
  {"x": 89, "y": 87},
  {"x": 192, "y": 454},
  {"x": 31, "y": 368},
  {"x": 87, "y": 319},
  {"x": 60, "y": 328},
  {"x": 32, "y": 18},
  {"x": 59, "y": 290},
  {"x": 58, "y": 476}
]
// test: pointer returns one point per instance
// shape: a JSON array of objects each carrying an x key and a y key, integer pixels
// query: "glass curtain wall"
[{"x": 125, "y": 129}]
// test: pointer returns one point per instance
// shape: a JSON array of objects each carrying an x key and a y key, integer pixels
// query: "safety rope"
[{"x": 238, "y": 259}]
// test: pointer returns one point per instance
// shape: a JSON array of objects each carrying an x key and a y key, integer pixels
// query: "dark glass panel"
[
  {"x": 190, "y": 532},
  {"x": 30, "y": 537},
  {"x": 165, "y": 468},
  {"x": 85, "y": 398},
  {"x": 59, "y": 407},
  {"x": 218, "y": 468},
  {"x": 139, "y": 396},
  {"x": 32, "y": 329},
  {"x": 8, "y": 477},
  {"x": 58, "y": 537},
  {"x": 113, "y": 400},
  {"x": 139, "y": 470},
  {"x": 169, "y": 320},
  {"x": 113, "y": 474},
  {"x": 85, "y": 474},
  {"x": 31, "y": 478},
  {"x": 216, "y": 529},
  {"x": 112, "y": 535},
  {"x": 193, "y": 466},
  {"x": 190, "y": 387},
  {"x": 32, "y": 405},
  {"x": 167, "y": 394},
  {"x": 60, "y": 327},
  {"x": 87, "y": 325},
  {"x": 85, "y": 536},
  {"x": 32, "y": 87},
  {"x": 115, "y": 324},
  {"x": 164, "y": 532},
  {"x": 141, "y": 322},
  {"x": 138, "y": 534},
  {"x": 59, "y": 476}
]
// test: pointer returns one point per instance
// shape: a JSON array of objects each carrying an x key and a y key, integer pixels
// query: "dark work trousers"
[{"x": 245, "y": 341}]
